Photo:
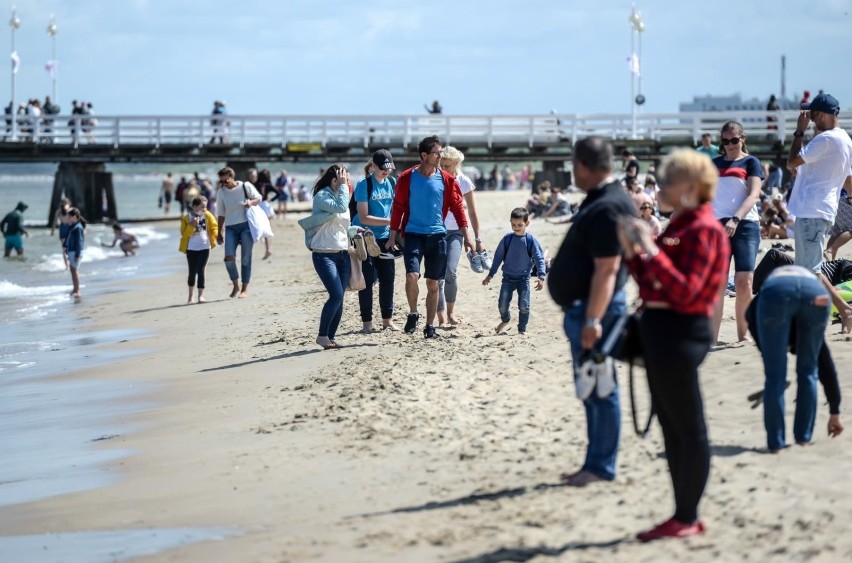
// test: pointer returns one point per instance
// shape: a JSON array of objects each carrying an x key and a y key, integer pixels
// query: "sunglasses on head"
[{"x": 732, "y": 141}]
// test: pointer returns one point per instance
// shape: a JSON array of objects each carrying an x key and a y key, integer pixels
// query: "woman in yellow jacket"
[{"x": 198, "y": 232}]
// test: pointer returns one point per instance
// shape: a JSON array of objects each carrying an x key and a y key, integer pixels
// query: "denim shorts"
[
  {"x": 74, "y": 260},
  {"x": 744, "y": 244},
  {"x": 809, "y": 236},
  {"x": 432, "y": 248}
]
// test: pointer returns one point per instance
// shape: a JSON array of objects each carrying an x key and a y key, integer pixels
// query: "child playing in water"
[
  {"x": 198, "y": 232},
  {"x": 74, "y": 248},
  {"x": 126, "y": 241},
  {"x": 518, "y": 251}
]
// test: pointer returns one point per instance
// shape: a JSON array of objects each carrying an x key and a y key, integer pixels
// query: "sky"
[{"x": 478, "y": 57}]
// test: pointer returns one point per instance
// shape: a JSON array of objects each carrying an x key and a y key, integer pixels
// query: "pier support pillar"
[
  {"x": 553, "y": 171},
  {"x": 89, "y": 187}
]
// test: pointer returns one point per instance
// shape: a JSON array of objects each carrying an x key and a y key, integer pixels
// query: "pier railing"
[{"x": 308, "y": 132}]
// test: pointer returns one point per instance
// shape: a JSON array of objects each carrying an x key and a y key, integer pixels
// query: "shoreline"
[{"x": 400, "y": 449}]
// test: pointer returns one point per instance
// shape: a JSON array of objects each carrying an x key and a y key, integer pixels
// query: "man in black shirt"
[
  {"x": 631, "y": 165},
  {"x": 587, "y": 279}
]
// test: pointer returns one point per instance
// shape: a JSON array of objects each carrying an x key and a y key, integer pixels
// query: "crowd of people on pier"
[{"x": 35, "y": 121}]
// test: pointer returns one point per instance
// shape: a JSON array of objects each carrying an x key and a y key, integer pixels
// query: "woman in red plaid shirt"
[{"x": 679, "y": 277}]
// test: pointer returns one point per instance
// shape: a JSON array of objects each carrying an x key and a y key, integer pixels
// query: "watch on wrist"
[
  {"x": 592, "y": 323},
  {"x": 735, "y": 219},
  {"x": 798, "y": 133}
]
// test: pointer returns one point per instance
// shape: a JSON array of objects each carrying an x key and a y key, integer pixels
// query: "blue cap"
[{"x": 825, "y": 103}]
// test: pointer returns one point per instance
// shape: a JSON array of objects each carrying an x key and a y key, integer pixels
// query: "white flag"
[
  {"x": 16, "y": 62},
  {"x": 52, "y": 67},
  {"x": 633, "y": 63}
]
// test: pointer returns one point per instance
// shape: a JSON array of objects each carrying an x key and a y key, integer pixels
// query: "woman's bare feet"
[
  {"x": 236, "y": 290},
  {"x": 583, "y": 478},
  {"x": 500, "y": 327},
  {"x": 387, "y": 324},
  {"x": 267, "y": 255},
  {"x": 243, "y": 292},
  {"x": 325, "y": 342}
]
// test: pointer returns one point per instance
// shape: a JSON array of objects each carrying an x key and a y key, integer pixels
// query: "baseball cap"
[
  {"x": 825, "y": 103},
  {"x": 383, "y": 159}
]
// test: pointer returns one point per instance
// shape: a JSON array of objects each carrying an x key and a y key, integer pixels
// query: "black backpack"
[{"x": 353, "y": 205}]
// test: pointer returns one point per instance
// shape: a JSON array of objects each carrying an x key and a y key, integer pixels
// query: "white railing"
[{"x": 309, "y": 132}]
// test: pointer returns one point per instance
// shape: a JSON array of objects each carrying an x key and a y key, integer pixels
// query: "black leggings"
[
  {"x": 197, "y": 261},
  {"x": 675, "y": 345}
]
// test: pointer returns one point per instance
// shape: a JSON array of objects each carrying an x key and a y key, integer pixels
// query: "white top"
[
  {"x": 828, "y": 161},
  {"x": 230, "y": 202},
  {"x": 199, "y": 240},
  {"x": 467, "y": 186},
  {"x": 333, "y": 235}
]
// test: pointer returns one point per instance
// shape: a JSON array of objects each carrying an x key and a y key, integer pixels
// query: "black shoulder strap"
[{"x": 369, "y": 187}]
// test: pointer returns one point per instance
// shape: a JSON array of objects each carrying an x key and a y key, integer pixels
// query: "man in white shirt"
[{"x": 824, "y": 166}]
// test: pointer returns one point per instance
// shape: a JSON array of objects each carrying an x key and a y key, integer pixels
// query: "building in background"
[{"x": 735, "y": 102}]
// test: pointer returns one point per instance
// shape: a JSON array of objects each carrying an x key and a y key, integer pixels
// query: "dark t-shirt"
[
  {"x": 592, "y": 235},
  {"x": 13, "y": 223},
  {"x": 631, "y": 170}
]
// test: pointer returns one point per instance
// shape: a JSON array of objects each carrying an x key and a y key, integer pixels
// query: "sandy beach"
[{"x": 397, "y": 448}]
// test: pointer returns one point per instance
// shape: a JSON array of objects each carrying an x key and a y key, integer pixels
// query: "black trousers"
[
  {"x": 675, "y": 345},
  {"x": 383, "y": 271},
  {"x": 197, "y": 261}
]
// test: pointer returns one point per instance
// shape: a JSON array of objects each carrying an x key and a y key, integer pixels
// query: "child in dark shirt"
[{"x": 518, "y": 252}]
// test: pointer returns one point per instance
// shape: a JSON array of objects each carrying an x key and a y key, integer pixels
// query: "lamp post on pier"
[
  {"x": 637, "y": 27},
  {"x": 14, "y": 23},
  {"x": 52, "y": 30}
]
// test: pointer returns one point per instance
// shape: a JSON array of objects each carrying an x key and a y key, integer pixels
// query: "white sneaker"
[
  {"x": 605, "y": 377},
  {"x": 584, "y": 379},
  {"x": 485, "y": 260},
  {"x": 475, "y": 262}
]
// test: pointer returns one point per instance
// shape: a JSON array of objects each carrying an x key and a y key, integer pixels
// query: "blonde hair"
[
  {"x": 691, "y": 166},
  {"x": 452, "y": 154}
]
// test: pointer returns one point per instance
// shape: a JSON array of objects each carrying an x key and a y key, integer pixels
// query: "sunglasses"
[
  {"x": 644, "y": 207},
  {"x": 731, "y": 141}
]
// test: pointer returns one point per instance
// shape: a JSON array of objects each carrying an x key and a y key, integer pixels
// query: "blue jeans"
[
  {"x": 333, "y": 271},
  {"x": 239, "y": 234},
  {"x": 809, "y": 235},
  {"x": 449, "y": 286},
  {"x": 784, "y": 299},
  {"x": 603, "y": 416},
  {"x": 383, "y": 271},
  {"x": 509, "y": 287}
]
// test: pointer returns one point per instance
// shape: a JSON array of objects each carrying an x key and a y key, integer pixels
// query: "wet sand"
[{"x": 397, "y": 448}]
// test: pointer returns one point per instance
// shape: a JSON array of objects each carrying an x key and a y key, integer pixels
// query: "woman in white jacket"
[{"x": 330, "y": 248}]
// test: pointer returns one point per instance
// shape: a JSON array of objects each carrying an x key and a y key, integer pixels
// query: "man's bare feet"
[
  {"x": 267, "y": 255},
  {"x": 583, "y": 478},
  {"x": 388, "y": 324},
  {"x": 201, "y": 299},
  {"x": 565, "y": 477},
  {"x": 243, "y": 292},
  {"x": 75, "y": 294},
  {"x": 236, "y": 290},
  {"x": 500, "y": 327}
]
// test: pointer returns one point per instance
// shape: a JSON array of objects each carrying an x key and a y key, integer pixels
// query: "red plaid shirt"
[{"x": 691, "y": 267}]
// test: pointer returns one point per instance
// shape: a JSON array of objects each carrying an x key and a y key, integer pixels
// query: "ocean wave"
[{"x": 9, "y": 290}]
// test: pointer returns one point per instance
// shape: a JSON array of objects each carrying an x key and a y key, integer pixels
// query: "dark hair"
[
  {"x": 264, "y": 177},
  {"x": 520, "y": 213},
  {"x": 74, "y": 212},
  {"x": 595, "y": 153},
  {"x": 327, "y": 176},
  {"x": 116, "y": 226},
  {"x": 737, "y": 128},
  {"x": 196, "y": 201},
  {"x": 227, "y": 171},
  {"x": 427, "y": 144}
]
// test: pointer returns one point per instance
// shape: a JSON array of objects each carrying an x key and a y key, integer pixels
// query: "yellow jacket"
[{"x": 187, "y": 230}]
